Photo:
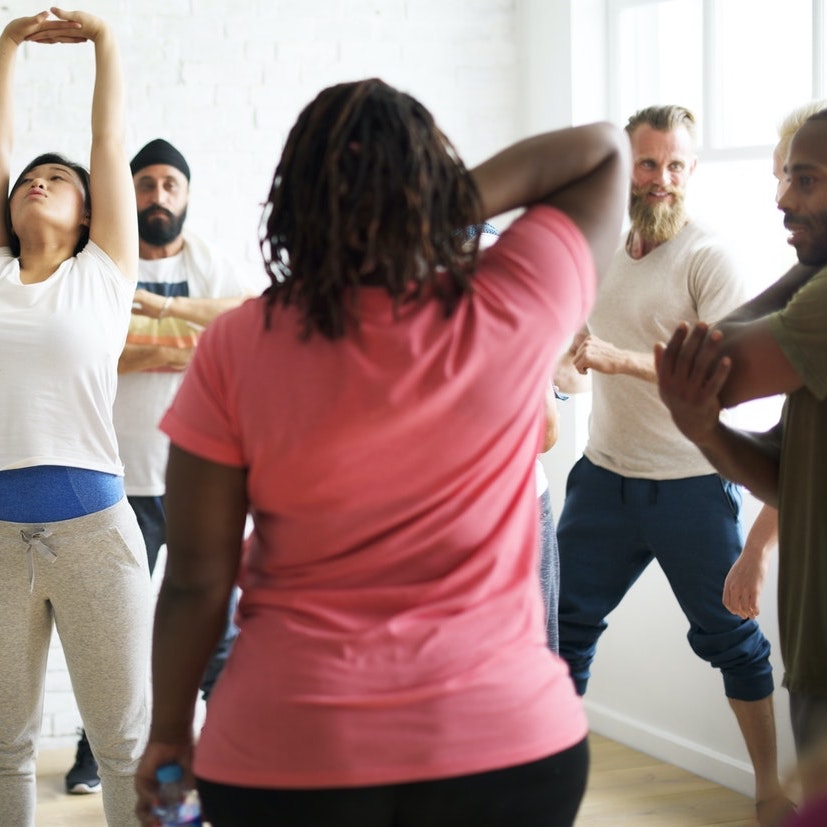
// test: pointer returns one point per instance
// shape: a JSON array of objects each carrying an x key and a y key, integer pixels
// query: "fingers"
[
  {"x": 44, "y": 29},
  {"x": 692, "y": 359},
  {"x": 669, "y": 353}
]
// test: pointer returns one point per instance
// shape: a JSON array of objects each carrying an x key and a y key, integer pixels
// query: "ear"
[
  {"x": 693, "y": 165},
  {"x": 87, "y": 218}
]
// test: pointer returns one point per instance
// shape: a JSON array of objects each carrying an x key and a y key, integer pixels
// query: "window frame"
[{"x": 709, "y": 89}]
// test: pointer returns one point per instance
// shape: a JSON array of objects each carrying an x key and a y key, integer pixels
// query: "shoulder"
[
  {"x": 216, "y": 274},
  {"x": 706, "y": 251},
  {"x": 94, "y": 258},
  {"x": 543, "y": 234},
  {"x": 700, "y": 239}
]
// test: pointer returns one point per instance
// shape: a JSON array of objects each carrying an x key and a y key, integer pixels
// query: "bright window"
[{"x": 741, "y": 66}]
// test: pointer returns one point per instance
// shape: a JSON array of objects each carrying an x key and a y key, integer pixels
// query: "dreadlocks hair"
[{"x": 368, "y": 191}]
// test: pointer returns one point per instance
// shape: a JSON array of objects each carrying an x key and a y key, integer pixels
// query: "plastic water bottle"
[{"x": 177, "y": 805}]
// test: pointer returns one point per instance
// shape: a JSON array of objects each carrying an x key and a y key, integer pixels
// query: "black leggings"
[{"x": 545, "y": 793}]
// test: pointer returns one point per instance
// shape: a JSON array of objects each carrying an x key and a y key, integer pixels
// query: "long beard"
[
  {"x": 657, "y": 223},
  {"x": 160, "y": 229}
]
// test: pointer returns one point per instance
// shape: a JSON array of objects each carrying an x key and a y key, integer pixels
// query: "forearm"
[
  {"x": 763, "y": 535},
  {"x": 135, "y": 358},
  {"x": 774, "y": 298},
  {"x": 744, "y": 458},
  {"x": 533, "y": 169},
  {"x": 637, "y": 365},
  {"x": 108, "y": 107},
  {"x": 115, "y": 227},
  {"x": 8, "y": 54},
  {"x": 200, "y": 311},
  {"x": 188, "y": 625}
]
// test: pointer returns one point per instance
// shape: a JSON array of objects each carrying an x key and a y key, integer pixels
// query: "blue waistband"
[{"x": 48, "y": 493}]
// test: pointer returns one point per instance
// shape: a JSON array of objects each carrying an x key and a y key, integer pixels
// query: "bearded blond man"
[{"x": 642, "y": 491}]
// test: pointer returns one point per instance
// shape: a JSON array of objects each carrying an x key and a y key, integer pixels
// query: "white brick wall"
[{"x": 225, "y": 79}]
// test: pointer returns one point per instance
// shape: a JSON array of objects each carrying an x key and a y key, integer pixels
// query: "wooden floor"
[{"x": 626, "y": 787}]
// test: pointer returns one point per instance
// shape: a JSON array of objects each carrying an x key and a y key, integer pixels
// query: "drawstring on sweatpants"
[
  {"x": 35, "y": 541},
  {"x": 651, "y": 490}
]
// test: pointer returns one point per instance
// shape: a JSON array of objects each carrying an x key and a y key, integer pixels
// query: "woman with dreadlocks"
[{"x": 378, "y": 411}]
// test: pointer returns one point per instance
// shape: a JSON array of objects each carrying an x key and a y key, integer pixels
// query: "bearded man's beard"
[
  {"x": 657, "y": 223},
  {"x": 158, "y": 226}
]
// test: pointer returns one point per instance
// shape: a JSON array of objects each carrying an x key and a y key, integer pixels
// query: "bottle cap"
[{"x": 169, "y": 773}]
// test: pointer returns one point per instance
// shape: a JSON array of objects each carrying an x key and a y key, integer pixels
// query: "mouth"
[{"x": 797, "y": 232}]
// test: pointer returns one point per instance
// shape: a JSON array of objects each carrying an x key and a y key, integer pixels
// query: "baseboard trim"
[{"x": 666, "y": 746}]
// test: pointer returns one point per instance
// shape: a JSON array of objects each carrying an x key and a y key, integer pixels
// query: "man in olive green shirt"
[{"x": 776, "y": 343}]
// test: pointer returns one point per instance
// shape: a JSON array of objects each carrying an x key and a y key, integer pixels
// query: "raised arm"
[
  {"x": 13, "y": 35},
  {"x": 114, "y": 223},
  {"x": 583, "y": 171}
]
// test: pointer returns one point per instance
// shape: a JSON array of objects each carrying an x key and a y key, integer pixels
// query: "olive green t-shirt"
[{"x": 800, "y": 330}]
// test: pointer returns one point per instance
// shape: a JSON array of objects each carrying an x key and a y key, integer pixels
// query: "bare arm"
[
  {"x": 15, "y": 32},
  {"x": 745, "y": 581},
  {"x": 593, "y": 353},
  {"x": 114, "y": 225},
  {"x": 582, "y": 171},
  {"x": 200, "y": 311},
  {"x": 206, "y": 507},
  {"x": 774, "y": 298},
  {"x": 136, "y": 358},
  {"x": 759, "y": 366},
  {"x": 691, "y": 375}
]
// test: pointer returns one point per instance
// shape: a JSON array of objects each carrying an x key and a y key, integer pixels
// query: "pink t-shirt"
[{"x": 391, "y": 622}]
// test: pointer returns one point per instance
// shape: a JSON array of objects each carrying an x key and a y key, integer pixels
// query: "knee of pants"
[
  {"x": 742, "y": 655},
  {"x": 18, "y": 759}
]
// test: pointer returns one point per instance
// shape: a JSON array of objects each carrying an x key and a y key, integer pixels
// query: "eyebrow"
[
  {"x": 802, "y": 165},
  {"x": 144, "y": 178}
]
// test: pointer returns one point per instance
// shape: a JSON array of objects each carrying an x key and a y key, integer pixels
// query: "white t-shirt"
[
  {"x": 143, "y": 397},
  {"x": 690, "y": 278},
  {"x": 60, "y": 340}
]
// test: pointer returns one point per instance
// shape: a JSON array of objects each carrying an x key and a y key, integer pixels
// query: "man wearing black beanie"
[{"x": 183, "y": 285}]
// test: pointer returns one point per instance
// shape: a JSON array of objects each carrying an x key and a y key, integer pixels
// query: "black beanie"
[{"x": 160, "y": 151}]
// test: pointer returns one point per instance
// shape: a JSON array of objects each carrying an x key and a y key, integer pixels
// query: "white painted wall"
[{"x": 225, "y": 79}]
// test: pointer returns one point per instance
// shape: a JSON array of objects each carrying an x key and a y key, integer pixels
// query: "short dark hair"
[
  {"x": 368, "y": 191},
  {"x": 821, "y": 115},
  {"x": 82, "y": 173}
]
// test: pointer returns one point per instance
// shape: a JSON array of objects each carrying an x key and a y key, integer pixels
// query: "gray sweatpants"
[{"x": 89, "y": 576}]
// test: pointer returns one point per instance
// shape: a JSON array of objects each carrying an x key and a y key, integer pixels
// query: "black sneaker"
[{"x": 83, "y": 778}]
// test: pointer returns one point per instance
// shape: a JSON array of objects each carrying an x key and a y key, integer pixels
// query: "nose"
[
  {"x": 663, "y": 177},
  {"x": 159, "y": 194},
  {"x": 37, "y": 182},
  {"x": 783, "y": 197}
]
